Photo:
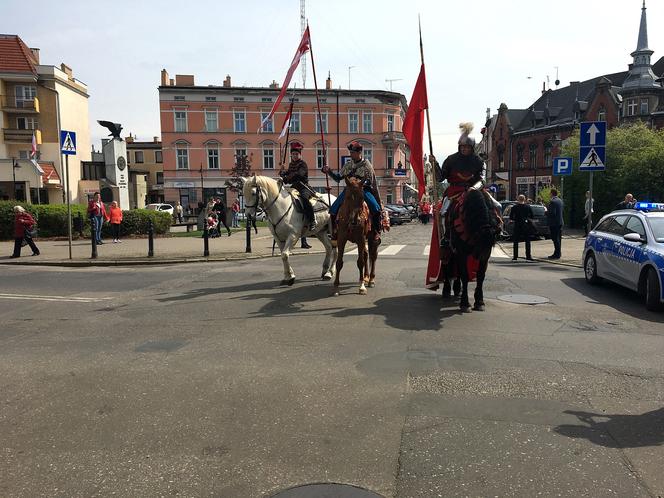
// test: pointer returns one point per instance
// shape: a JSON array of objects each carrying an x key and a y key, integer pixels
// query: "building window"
[
  {"x": 241, "y": 152},
  {"x": 601, "y": 114},
  {"x": 266, "y": 99},
  {"x": 210, "y": 99},
  {"x": 268, "y": 157},
  {"x": 27, "y": 123},
  {"x": 139, "y": 156},
  {"x": 390, "y": 122},
  {"x": 323, "y": 118},
  {"x": 182, "y": 154},
  {"x": 501, "y": 159},
  {"x": 367, "y": 122},
  {"x": 178, "y": 97},
  {"x": 211, "y": 120},
  {"x": 238, "y": 99},
  {"x": 180, "y": 121},
  {"x": 268, "y": 127},
  {"x": 548, "y": 160},
  {"x": 389, "y": 158},
  {"x": 631, "y": 107},
  {"x": 158, "y": 158},
  {"x": 532, "y": 156},
  {"x": 239, "y": 121},
  {"x": 644, "y": 107},
  {"x": 160, "y": 177},
  {"x": 320, "y": 159},
  {"x": 128, "y": 156},
  {"x": 368, "y": 154},
  {"x": 213, "y": 157},
  {"x": 25, "y": 94},
  {"x": 295, "y": 122},
  {"x": 520, "y": 163},
  {"x": 23, "y": 154},
  {"x": 353, "y": 121}
]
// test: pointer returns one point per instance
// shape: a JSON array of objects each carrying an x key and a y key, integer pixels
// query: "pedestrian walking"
[
  {"x": 554, "y": 216},
  {"x": 178, "y": 212},
  {"x": 588, "y": 211},
  {"x": 116, "y": 221},
  {"x": 235, "y": 222},
  {"x": 628, "y": 203},
  {"x": 522, "y": 216},
  {"x": 24, "y": 227},
  {"x": 220, "y": 209},
  {"x": 97, "y": 214},
  {"x": 304, "y": 244}
]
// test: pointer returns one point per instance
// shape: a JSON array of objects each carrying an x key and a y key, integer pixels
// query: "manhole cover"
[
  {"x": 523, "y": 299},
  {"x": 326, "y": 491}
]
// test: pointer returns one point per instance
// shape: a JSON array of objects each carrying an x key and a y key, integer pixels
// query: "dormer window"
[
  {"x": 644, "y": 107},
  {"x": 601, "y": 114},
  {"x": 631, "y": 107}
]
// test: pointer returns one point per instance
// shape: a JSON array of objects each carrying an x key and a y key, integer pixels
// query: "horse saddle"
[{"x": 316, "y": 201}]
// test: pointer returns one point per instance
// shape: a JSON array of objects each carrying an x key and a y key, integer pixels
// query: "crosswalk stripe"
[
  {"x": 391, "y": 250},
  {"x": 65, "y": 299},
  {"x": 394, "y": 249},
  {"x": 498, "y": 252}
]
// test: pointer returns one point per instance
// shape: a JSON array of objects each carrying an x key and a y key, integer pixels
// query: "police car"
[{"x": 627, "y": 247}]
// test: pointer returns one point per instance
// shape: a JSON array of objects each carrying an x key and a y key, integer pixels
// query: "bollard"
[
  {"x": 206, "y": 245},
  {"x": 248, "y": 248},
  {"x": 94, "y": 242},
  {"x": 150, "y": 239}
]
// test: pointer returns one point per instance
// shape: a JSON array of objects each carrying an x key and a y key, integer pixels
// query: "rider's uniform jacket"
[
  {"x": 461, "y": 172},
  {"x": 362, "y": 170},
  {"x": 297, "y": 174}
]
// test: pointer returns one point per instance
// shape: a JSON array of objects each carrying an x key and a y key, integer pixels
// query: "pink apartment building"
[{"x": 204, "y": 128}]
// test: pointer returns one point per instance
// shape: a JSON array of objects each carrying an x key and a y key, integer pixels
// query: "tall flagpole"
[
  {"x": 320, "y": 125},
  {"x": 290, "y": 112}
]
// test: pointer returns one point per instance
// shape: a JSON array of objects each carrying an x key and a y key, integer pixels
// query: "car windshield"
[
  {"x": 657, "y": 226},
  {"x": 538, "y": 210}
]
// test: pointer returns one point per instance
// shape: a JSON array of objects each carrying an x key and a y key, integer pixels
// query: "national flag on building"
[
  {"x": 287, "y": 120},
  {"x": 302, "y": 49},
  {"x": 33, "y": 152}
]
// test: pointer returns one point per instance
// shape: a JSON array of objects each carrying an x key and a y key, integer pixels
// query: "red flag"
[
  {"x": 286, "y": 125},
  {"x": 33, "y": 152},
  {"x": 302, "y": 49},
  {"x": 413, "y": 128}
]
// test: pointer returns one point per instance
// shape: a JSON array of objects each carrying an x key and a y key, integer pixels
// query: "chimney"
[
  {"x": 543, "y": 86},
  {"x": 274, "y": 85},
  {"x": 227, "y": 81},
  {"x": 184, "y": 80},
  {"x": 155, "y": 140},
  {"x": 67, "y": 70},
  {"x": 171, "y": 82},
  {"x": 35, "y": 54},
  {"x": 129, "y": 139},
  {"x": 328, "y": 82},
  {"x": 164, "y": 77}
]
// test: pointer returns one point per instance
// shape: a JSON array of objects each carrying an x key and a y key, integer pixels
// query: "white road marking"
[
  {"x": 498, "y": 252},
  {"x": 427, "y": 249},
  {"x": 66, "y": 299},
  {"x": 391, "y": 250}
]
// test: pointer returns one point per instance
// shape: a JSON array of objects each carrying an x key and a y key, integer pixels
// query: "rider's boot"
[
  {"x": 309, "y": 210},
  {"x": 376, "y": 226},
  {"x": 333, "y": 235}
]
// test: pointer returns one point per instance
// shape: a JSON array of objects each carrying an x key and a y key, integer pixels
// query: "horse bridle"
[{"x": 259, "y": 197}]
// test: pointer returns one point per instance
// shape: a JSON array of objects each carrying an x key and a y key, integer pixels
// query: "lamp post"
[{"x": 15, "y": 166}]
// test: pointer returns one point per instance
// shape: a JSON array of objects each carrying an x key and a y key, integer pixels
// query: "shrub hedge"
[{"x": 52, "y": 220}]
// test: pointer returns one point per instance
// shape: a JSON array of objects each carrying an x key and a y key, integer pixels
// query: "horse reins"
[{"x": 259, "y": 198}]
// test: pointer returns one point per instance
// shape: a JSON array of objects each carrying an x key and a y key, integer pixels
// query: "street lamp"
[{"x": 15, "y": 166}]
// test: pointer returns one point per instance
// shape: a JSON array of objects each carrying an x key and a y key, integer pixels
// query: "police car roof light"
[{"x": 649, "y": 206}]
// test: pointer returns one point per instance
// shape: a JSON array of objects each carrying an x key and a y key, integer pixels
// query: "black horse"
[{"x": 474, "y": 226}]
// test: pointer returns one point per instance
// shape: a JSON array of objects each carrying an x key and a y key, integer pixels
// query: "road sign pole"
[
  {"x": 589, "y": 221},
  {"x": 68, "y": 203}
]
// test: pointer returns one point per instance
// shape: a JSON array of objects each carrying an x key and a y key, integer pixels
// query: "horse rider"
[
  {"x": 462, "y": 170},
  {"x": 362, "y": 169},
  {"x": 297, "y": 175}
]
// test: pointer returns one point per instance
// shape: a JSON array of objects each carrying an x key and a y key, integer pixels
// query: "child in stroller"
[{"x": 213, "y": 226}]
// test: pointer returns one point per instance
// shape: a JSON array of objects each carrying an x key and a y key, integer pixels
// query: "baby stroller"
[{"x": 213, "y": 226}]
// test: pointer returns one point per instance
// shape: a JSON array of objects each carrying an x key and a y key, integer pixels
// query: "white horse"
[{"x": 286, "y": 223}]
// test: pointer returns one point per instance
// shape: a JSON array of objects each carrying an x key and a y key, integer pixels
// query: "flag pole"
[
  {"x": 290, "y": 112},
  {"x": 320, "y": 125}
]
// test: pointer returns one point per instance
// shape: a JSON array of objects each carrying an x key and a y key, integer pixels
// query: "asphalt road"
[{"x": 211, "y": 380}]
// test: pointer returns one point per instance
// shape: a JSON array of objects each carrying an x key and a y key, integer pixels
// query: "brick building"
[
  {"x": 204, "y": 128},
  {"x": 521, "y": 143}
]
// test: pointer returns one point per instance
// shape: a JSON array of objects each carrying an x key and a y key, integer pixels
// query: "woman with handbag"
[
  {"x": 24, "y": 229},
  {"x": 522, "y": 216}
]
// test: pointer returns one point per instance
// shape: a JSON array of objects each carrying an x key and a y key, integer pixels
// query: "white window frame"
[
  {"x": 320, "y": 158},
  {"x": 365, "y": 128},
  {"x": 211, "y": 118},
  {"x": 390, "y": 122},
  {"x": 353, "y": 113},
  {"x": 237, "y": 152},
  {"x": 29, "y": 123},
  {"x": 28, "y": 94},
  {"x": 323, "y": 115},
  {"x": 268, "y": 156},
  {"x": 212, "y": 155},
  {"x": 631, "y": 107},
  {"x": 389, "y": 158},
  {"x": 268, "y": 127},
  {"x": 644, "y": 104},
  {"x": 296, "y": 122},
  {"x": 240, "y": 117},
  {"x": 177, "y": 120},
  {"x": 181, "y": 157},
  {"x": 601, "y": 114},
  {"x": 367, "y": 153},
  {"x": 24, "y": 154},
  {"x": 158, "y": 156}
]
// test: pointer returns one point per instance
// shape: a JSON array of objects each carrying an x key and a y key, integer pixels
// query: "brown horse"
[{"x": 354, "y": 225}]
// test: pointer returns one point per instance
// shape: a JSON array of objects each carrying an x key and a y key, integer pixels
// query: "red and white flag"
[
  {"x": 33, "y": 152},
  {"x": 286, "y": 125},
  {"x": 413, "y": 128},
  {"x": 302, "y": 49}
]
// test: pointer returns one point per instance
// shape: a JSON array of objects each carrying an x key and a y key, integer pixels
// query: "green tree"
[{"x": 635, "y": 164}]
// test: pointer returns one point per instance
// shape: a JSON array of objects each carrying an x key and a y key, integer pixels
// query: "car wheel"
[
  {"x": 590, "y": 269},
  {"x": 652, "y": 291}
]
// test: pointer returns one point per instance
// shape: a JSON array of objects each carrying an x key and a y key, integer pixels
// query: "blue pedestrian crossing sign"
[
  {"x": 592, "y": 146},
  {"x": 68, "y": 142},
  {"x": 562, "y": 166}
]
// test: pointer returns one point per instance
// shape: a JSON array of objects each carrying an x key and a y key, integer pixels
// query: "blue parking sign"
[{"x": 562, "y": 166}]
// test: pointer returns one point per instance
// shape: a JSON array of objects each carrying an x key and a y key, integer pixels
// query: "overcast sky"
[{"x": 478, "y": 53}]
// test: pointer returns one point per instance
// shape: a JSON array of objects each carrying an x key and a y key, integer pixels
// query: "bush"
[{"x": 52, "y": 220}]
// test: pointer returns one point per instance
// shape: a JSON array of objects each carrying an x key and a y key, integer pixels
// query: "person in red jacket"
[
  {"x": 23, "y": 222},
  {"x": 116, "y": 220},
  {"x": 97, "y": 214}
]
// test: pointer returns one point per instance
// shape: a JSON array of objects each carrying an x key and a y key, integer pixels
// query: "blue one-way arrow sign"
[
  {"x": 593, "y": 134},
  {"x": 592, "y": 146}
]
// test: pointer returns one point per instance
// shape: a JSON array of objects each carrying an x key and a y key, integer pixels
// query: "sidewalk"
[
  {"x": 135, "y": 251},
  {"x": 571, "y": 248}
]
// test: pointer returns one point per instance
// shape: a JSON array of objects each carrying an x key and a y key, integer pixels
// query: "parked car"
[
  {"x": 627, "y": 247},
  {"x": 260, "y": 215},
  {"x": 539, "y": 221},
  {"x": 412, "y": 210},
  {"x": 504, "y": 204},
  {"x": 396, "y": 218},
  {"x": 404, "y": 214},
  {"x": 166, "y": 208}
]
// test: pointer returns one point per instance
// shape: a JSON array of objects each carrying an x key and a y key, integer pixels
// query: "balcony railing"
[
  {"x": 12, "y": 135},
  {"x": 391, "y": 137},
  {"x": 12, "y": 103}
]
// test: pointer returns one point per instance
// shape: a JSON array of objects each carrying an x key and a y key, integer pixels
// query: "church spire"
[
  {"x": 640, "y": 74},
  {"x": 642, "y": 44}
]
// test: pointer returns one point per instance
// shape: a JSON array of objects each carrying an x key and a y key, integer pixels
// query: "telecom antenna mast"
[{"x": 303, "y": 59}]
